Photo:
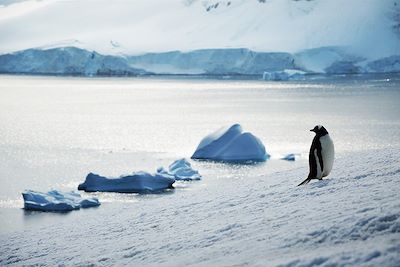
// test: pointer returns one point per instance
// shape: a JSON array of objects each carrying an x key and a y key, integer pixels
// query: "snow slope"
[
  {"x": 350, "y": 219},
  {"x": 132, "y": 27}
]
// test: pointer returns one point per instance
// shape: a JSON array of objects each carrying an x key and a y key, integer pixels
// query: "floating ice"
[
  {"x": 285, "y": 75},
  {"x": 138, "y": 182},
  {"x": 232, "y": 145},
  {"x": 181, "y": 169},
  {"x": 291, "y": 157},
  {"x": 56, "y": 201}
]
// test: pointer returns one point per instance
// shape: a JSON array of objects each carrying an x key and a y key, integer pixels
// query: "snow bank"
[
  {"x": 138, "y": 182},
  {"x": 231, "y": 144},
  {"x": 56, "y": 201},
  {"x": 285, "y": 75},
  {"x": 180, "y": 169}
]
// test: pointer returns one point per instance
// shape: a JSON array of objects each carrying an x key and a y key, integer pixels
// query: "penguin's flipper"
[{"x": 306, "y": 181}]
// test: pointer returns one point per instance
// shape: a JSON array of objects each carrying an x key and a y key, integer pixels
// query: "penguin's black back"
[{"x": 312, "y": 160}]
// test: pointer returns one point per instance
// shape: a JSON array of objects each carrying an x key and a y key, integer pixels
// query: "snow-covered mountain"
[{"x": 322, "y": 35}]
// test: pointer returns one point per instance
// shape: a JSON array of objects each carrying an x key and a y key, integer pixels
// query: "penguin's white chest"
[{"x": 328, "y": 154}]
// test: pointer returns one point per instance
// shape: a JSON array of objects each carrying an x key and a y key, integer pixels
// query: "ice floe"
[
  {"x": 138, "y": 182},
  {"x": 56, "y": 201},
  {"x": 231, "y": 144}
]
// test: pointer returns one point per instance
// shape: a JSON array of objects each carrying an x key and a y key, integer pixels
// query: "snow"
[
  {"x": 138, "y": 182},
  {"x": 56, "y": 201},
  {"x": 231, "y": 144},
  {"x": 181, "y": 170},
  {"x": 349, "y": 219},
  {"x": 285, "y": 75}
]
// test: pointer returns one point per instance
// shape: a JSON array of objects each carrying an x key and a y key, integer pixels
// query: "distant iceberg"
[
  {"x": 231, "y": 144},
  {"x": 56, "y": 201},
  {"x": 181, "y": 170},
  {"x": 285, "y": 75},
  {"x": 138, "y": 182}
]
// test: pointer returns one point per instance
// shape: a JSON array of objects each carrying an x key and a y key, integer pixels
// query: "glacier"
[
  {"x": 214, "y": 62},
  {"x": 231, "y": 144},
  {"x": 66, "y": 61},
  {"x": 56, "y": 201},
  {"x": 138, "y": 182},
  {"x": 206, "y": 62}
]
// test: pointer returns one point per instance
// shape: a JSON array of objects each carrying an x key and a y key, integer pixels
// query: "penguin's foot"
[{"x": 306, "y": 181}]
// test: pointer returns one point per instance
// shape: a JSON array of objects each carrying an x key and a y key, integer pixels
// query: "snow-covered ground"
[
  {"x": 352, "y": 218},
  {"x": 53, "y": 131}
]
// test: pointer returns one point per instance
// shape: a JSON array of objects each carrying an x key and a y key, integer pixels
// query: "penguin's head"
[{"x": 319, "y": 130}]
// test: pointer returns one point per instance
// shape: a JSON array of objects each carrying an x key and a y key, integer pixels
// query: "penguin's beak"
[{"x": 312, "y": 130}]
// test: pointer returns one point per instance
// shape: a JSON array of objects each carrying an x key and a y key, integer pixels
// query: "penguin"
[{"x": 322, "y": 155}]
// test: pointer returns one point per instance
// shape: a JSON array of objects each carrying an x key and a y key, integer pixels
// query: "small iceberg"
[
  {"x": 285, "y": 75},
  {"x": 291, "y": 157},
  {"x": 56, "y": 201},
  {"x": 138, "y": 182},
  {"x": 181, "y": 170},
  {"x": 231, "y": 144}
]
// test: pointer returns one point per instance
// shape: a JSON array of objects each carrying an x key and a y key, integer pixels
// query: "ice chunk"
[
  {"x": 56, "y": 201},
  {"x": 291, "y": 157},
  {"x": 181, "y": 169},
  {"x": 285, "y": 75},
  {"x": 138, "y": 182},
  {"x": 232, "y": 145}
]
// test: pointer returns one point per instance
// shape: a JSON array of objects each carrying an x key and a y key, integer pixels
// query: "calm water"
[{"x": 53, "y": 130}]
